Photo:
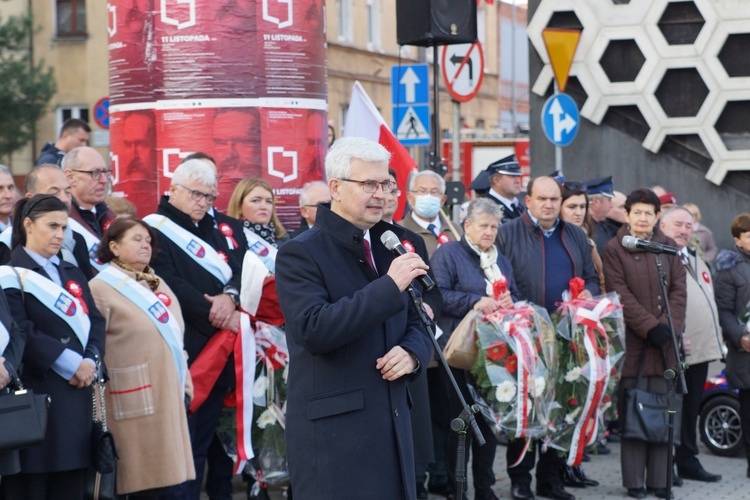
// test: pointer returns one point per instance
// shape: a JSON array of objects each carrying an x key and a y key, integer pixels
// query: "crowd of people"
[{"x": 157, "y": 307}]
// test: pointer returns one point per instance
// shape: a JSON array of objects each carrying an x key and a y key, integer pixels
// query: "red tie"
[{"x": 368, "y": 255}]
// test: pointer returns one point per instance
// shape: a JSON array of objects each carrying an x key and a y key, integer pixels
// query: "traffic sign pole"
[{"x": 558, "y": 149}]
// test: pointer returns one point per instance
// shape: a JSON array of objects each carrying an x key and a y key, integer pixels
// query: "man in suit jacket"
[
  {"x": 88, "y": 175},
  {"x": 430, "y": 415},
  {"x": 354, "y": 340},
  {"x": 426, "y": 197},
  {"x": 312, "y": 193}
]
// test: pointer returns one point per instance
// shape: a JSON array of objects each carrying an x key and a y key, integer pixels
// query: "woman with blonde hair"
[{"x": 254, "y": 204}]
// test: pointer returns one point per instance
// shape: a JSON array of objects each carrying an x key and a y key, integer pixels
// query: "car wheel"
[{"x": 720, "y": 426}]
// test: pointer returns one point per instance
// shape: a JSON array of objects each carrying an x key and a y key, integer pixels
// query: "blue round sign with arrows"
[{"x": 560, "y": 119}]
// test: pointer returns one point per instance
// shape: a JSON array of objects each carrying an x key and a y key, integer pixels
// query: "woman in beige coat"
[{"x": 149, "y": 384}]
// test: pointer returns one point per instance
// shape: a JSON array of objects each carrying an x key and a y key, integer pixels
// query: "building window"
[
  {"x": 71, "y": 17},
  {"x": 346, "y": 27},
  {"x": 373, "y": 25},
  {"x": 70, "y": 111}
]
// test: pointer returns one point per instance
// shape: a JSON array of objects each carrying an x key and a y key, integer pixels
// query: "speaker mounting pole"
[{"x": 435, "y": 159}]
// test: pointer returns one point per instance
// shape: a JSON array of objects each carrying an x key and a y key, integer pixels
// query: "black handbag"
[
  {"x": 102, "y": 474},
  {"x": 647, "y": 414},
  {"x": 23, "y": 416}
]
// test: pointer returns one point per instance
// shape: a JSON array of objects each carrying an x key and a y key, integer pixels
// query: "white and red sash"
[
  {"x": 58, "y": 300},
  {"x": 4, "y": 337},
  {"x": 157, "y": 312},
  {"x": 92, "y": 242},
  {"x": 201, "y": 252}
]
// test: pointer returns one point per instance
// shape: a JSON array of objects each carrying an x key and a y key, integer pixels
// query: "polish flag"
[{"x": 364, "y": 120}]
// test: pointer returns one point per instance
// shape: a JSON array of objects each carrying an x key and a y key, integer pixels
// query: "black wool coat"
[
  {"x": 67, "y": 443},
  {"x": 190, "y": 281},
  {"x": 348, "y": 430}
]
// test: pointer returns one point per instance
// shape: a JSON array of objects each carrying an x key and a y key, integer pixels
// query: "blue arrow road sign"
[
  {"x": 560, "y": 119},
  {"x": 410, "y": 85},
  {"x": 411, "y": 124}
]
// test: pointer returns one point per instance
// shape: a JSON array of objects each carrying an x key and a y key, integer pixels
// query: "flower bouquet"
[
  {"x": 267, "y": 438},
  {"x": 591, "y": 347},
  {"x": 515, "y": 368}
]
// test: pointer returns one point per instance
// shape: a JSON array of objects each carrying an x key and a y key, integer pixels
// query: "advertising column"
[{"x": 243, "y": 81}]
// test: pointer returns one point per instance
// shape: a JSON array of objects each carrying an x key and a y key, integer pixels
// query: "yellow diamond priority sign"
[{"x": 561, "y": 47}]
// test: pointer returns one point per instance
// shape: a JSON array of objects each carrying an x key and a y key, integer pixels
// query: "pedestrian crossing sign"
[{"x": 412, "y": 124}]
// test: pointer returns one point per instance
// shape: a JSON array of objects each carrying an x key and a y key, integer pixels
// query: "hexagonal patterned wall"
[{"x": 680, "y": 67}]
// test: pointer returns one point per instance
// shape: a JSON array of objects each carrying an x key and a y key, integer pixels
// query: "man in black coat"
[
  {"x": 545, "y": 253},
  {"x": 208, "y": 301},
  {"x": 229, "y": 227},
  {"x": 354, "y": 340}
]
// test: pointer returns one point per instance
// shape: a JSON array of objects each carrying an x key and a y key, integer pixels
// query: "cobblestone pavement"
[{"x": 606, "y": 470}]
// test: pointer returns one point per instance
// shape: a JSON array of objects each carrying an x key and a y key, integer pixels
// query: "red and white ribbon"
[
  {"x": 244, "y": 372},
  {"x": 526, "y": 358},
  {"x": 584, "y": 433}
]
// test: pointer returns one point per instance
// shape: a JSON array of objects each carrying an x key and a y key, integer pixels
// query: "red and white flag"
[{"x": 364, "y": 120}]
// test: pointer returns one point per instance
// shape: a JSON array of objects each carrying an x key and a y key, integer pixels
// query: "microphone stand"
[
  {"x": 466, "y": 419},
  {"x": 671, "y": 375}
]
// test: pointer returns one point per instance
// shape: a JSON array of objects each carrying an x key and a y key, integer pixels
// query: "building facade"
[{"x": 362, "y": 45}]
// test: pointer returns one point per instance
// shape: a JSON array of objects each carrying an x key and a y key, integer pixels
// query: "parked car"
[{"x": 719, "y": 424}]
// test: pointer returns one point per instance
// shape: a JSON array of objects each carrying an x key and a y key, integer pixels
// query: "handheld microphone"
[
  {"x": 649, "y": 246},
  {"x": 390, "y": 240}
]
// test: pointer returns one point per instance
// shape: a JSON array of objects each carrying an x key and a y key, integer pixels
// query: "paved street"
[{"x": 606, "y": 470}]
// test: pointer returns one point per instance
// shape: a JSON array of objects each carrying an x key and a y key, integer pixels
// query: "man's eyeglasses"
[
  {"x": 95, "y": 174},
  {"x": 372, "y": 186},
  {"x": 395, "y": 192},
  {"x": 432, "y": 192},
  {"x": 198, "y": 196}
]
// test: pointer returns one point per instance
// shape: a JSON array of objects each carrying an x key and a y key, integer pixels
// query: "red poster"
[{"x": 133, "y": 157}]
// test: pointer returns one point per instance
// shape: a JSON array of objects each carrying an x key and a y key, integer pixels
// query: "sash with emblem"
[
  {"x": 58, "y": 300},
  {"x": 92, "y": 242},
  {"x": 148, "y": 302},
  {"x": 263, "y": 249},
  {"x": 201, "y": 252}
]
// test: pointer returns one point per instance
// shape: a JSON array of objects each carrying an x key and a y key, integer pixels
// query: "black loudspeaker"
[{"x": 436, "y": 22}]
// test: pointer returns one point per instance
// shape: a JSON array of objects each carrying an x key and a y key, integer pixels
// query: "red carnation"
[
  {"x": 606, "y": 398},
  {"x": 572, "y": 402},
  {"x": 497, "y": 351},
  {"x": 602, "y": 352},
  {"x": 577, "y": 286},
  {"x": 230, "y": 400},
  {"x": 511, "y": 364},
  {"x": 574, "y": 347}
]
